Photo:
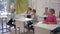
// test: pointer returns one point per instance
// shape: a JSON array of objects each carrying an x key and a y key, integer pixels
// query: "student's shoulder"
[
  {"x": 36, "y": 16},
  {"x": 54, "y": 16}
]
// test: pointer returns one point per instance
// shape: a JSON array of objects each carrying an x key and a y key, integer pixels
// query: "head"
[
  {"x": 29, "y": 9},
  {"x": 13, "y": 10},
  {"x": 46, "y": 9},
  {"x": 51, "y": 11},
  {"x": 33, "y": 12}
]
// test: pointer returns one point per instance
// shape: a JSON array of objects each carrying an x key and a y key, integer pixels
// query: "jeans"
[{"x": 10, "y": 23}]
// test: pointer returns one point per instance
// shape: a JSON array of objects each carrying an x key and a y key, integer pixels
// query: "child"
[
  {"x": 51, "y": 19},
  {"x": 34, "y": 21},
  {"x": 10, "y": 22},
  {"x": 29, "y": 12},
  {"x": 46, "y": 13}
]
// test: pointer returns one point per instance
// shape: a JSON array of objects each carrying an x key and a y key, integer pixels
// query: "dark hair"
[
  {"x": 46, "y": 7},
  {"x": 52, "y": 10},
  {"x": 30, "y": 8},
  {"x": 14, "y": 9},
  {"x": 34, "y": 10}
]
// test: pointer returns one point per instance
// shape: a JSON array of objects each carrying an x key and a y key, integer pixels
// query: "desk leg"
[
  {"x": 19, "y": 29},
  {"x": 52, "y": 32},
  {"x": 15, "y": 31},
  {"x": 24, "y": 27},
  {"x": 6, "y": 25}
]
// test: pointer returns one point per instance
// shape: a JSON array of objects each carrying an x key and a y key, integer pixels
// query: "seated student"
[
  {"x": 28, "y": 12},
  {"x": 46, "y": 12},
  {"x": 34, "y": 21},
  {"x": 10, "y": 22},
  {"x": 51, "y": 19}
]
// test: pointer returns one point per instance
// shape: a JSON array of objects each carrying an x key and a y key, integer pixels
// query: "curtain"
[{"x": 21, "y": 6}]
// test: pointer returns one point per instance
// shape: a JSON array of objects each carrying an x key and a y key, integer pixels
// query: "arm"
[{"x": 52, "y": 21}]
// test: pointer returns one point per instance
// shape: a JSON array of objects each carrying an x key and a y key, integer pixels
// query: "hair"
[
  {"x": 46, "y": 7},
  {"x": 34, "y": 10},
  {"x": 52, "y": 10},
  {"x": 29, "y": 8},
  {"x": 13, "y": 10}
]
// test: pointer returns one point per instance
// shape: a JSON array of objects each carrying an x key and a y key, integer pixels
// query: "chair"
[
  {"x": 56, "y": 30},
  {"x": 26, "y": 26},
  {"x": 11, "y": 24}
]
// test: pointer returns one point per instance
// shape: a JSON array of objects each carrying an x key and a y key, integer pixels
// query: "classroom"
[{"x": 29, "y": 16}]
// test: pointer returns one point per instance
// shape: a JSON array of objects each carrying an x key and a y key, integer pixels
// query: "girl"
[
  {"x": 29, "y": 12},
  {"x": 51, "y": 19}
]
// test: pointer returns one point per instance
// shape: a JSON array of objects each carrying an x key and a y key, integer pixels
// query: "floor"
[
  {"x": 13, "y": 31},
  {"x": 4, "y": 30}
]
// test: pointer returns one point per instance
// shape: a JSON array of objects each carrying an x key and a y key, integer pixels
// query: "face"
[
  {"x": 50, "y": 12},
  {"x": 46, "y": 9},
  {"x": 29, "y": 9},
  {"x": 33, "y": 13}
]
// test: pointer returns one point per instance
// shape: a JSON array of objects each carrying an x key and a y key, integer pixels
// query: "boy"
[
  {"x": 12, "y": 19},
  {"x": 34, "y": 21}
]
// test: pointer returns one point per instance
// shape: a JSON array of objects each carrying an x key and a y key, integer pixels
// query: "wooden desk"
[{"x": 41, "y": 28}]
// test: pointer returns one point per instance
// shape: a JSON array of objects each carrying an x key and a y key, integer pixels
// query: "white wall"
[{"x": 39, "y": 5}]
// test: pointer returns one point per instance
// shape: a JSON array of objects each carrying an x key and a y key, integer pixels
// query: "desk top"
[
  {"x": 24, "y": 19},
  {"x": 43, "y": 16},
  {"x": 58, "y": 19},
  {"x": 47, "y": 26}
]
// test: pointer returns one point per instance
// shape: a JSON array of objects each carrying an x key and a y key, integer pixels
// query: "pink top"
[{"x": 51, "y": 19}]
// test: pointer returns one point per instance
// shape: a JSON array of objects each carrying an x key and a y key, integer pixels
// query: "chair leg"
[
  {"x": 33, "y": 31},
  {"x": 19, "y": 30},
  {"x": 15, "y": 31}
]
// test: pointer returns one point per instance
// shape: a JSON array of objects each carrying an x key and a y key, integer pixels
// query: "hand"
[{"x": 48, "y": 23}]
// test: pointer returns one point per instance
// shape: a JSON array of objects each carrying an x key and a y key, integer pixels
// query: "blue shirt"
[{"x": 45, "y": 13}]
